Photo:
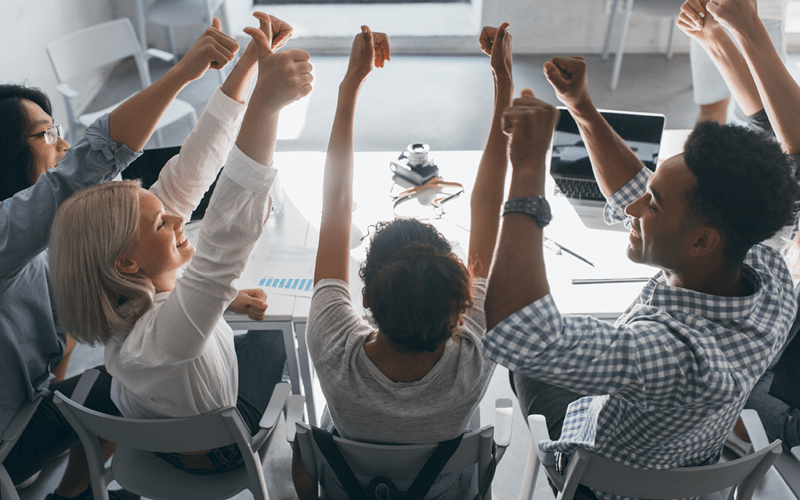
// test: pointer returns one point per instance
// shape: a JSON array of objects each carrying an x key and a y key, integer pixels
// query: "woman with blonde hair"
[
  {"x": 117, "y": 250},
  {"x": 38, "y": 171}
]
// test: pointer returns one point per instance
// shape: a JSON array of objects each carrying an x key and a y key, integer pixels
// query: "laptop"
[{"x": 572, "y": 170}]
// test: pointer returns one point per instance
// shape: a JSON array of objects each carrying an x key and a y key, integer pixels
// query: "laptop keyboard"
[{"x": 580, "y": 189}]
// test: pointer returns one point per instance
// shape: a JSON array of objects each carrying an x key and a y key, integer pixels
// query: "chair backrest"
[
  {"x": 202, "y": 432},
  {"x": 659, "y": 8},
  {"x": 398, "y": 461},
  {"x": 93, "y": 47},
  {"x": 612, "y": 477}
]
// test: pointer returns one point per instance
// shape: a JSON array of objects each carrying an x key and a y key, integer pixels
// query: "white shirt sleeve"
[{"x": 186, "y": 177}]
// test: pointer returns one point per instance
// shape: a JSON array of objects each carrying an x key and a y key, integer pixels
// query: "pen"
[
  {"x": 608, "y": 281},
  {"x": 564, "y": 249}
]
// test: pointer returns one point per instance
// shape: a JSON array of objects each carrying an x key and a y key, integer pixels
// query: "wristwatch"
[{"x": 538, "y": 208}]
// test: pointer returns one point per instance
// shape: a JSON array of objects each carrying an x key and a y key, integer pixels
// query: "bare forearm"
[
  {"x": 259, "y": 131},
  {"x": 614, "y": 163},
  {"x": 487, "y": 194},
  {"x": 778, "y": 90},
  {"x": 734, "y": 70},
  {"x": 333, "y": 254},
  {"x": 237, "y": 85},
  {"x": 135, "y": 120},
  {"x": 517, "y": 277}
]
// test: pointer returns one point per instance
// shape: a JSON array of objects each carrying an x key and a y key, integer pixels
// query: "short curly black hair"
[
  {"x": 745, "y": 185},
  {"x": 415, "y": 286},
  {"x": 16, "y": 158}
]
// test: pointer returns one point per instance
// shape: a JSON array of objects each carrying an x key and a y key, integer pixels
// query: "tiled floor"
[{"x": 446, "y": 102}]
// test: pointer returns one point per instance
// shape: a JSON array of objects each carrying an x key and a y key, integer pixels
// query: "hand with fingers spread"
[
  {"x": 252, "y": 302},
  {"x": 529, "y": 123},
  {"x": 213, "y": 50},
  {"x": 568, "y": 76},
  {"x": 496, "y": 42},
  {"x": 282, "y": 78},
  {"x": 369, "y": 50}
]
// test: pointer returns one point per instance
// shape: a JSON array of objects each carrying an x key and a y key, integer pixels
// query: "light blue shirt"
[{"x": 30, "y": 344}]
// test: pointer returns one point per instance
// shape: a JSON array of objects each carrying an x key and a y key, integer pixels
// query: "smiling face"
[
  {"x": 161, "y": 248},
  {"x": 46, "y": 156},
  {"x": 662, "y": 232}
]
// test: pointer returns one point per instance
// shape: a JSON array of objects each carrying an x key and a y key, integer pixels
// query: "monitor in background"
[{"x": 147, "y": 167}]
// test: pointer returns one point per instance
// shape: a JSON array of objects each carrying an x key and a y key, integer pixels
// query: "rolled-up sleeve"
[{"x": 614, "y": 211}]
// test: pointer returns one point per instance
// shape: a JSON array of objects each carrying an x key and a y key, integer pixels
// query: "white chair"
[
  {"x": 10, "y": 437},
  {"x": 97, "y": 46},
  {"x": 138, "y": 470},
  {"x": 787, "y": 464},
  {"x": 399, "y": 462},
  {"x": 174, "y": 13},
  {"x": 741, "y": 475},
  {"x": 657, "y": 8}
]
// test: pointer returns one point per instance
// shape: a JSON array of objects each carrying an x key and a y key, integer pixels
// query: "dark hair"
[
  {"x": 745, "y": 186},
  {"x": 16, "y": 159},
  {"x": 416, "y": 288}
]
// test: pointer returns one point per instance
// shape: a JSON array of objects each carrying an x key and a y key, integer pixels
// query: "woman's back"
[{"x": 365, "y": 404}]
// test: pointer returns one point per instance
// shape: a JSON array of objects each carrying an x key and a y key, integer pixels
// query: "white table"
[{"x": 301, "y": 178}]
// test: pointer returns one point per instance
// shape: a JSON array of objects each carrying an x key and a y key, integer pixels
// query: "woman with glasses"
[
  {"x": 417, "y": 371},
  {"x": 38, "y": 171}
]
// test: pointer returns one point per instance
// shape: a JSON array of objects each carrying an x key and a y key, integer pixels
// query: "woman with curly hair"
[{"x": 417, "y": 371}]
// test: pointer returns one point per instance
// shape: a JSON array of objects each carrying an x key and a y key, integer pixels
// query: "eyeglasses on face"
[{"x": 50, "y": 134}]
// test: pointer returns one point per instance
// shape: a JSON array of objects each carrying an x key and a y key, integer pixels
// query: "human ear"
[
  {"x": 705, "y": 241},
  {"x": 126, "y": 266}
]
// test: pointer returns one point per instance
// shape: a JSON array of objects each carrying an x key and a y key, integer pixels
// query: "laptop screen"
[{"x": 640, "y": 131}]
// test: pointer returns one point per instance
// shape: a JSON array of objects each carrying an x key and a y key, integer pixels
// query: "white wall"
[
  {"x": 576, "y": 27},
  {"x": 26, "y": 27}
]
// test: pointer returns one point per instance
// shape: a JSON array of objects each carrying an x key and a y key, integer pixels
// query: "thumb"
[
  {"x": 527, "y": 93},
  {"x": 216, "y": 24},
  {"x": 251, "y": 301},
  {"x": 258, "y": 293},
  {"x": 260, "y": 40}
]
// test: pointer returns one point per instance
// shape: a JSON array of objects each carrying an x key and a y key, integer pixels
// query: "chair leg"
[
  {"x": 159, "y": 138},
  {"x": 621, "y": 47},
  {"x": 172, "y": 45},
  {"x": 531, "y": 474},
  {"x": 671, "y": 38},
  {"x": 609, "y": 30}
]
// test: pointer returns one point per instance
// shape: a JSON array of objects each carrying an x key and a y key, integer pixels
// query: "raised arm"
[
  {"x": 186, "y": 177},
  {"x": 134, "y": 121},
  {"x": 487, "y": 194},
  {"x": 778, "y": 90},
  {"x": 698, "y": 24},
  {"x": 333, "y": 253},
  {"x": 517, "y": 277},
  {"x": 613, "y": 161}
]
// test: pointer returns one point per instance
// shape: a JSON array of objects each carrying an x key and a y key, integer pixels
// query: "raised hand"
[
  {"x": 369, "y": 50},
  {"x": 530, "y": 124},
  {"x": 697, "y": 23},
  {"x": 282, "y": 78},
  {"x": 496, "y": 42},
  {"x": 213, "y": 50},
  {"x": 739, "y": 16},
  {"x": 252, "y": 302},
  {"x": 568, "y": 76}
]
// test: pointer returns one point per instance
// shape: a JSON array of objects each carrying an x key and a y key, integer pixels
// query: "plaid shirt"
[{"x": 669, "y": 378}]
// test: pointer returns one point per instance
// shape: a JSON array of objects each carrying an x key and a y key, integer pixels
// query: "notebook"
[{"x": 572, "y": 170}]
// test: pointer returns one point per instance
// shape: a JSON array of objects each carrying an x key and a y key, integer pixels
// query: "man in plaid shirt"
[{"x": 662, "y": 386}]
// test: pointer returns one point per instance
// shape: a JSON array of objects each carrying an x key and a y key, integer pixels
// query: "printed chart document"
[{"x": 280, "y": 270}]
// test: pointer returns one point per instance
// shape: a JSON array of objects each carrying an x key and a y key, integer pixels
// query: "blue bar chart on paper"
[
  {"x": 281, "y": 270},
  {"x": 301, "y": 285}
]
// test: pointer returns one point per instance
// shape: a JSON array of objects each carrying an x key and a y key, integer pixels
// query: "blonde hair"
[{"x": 92, "y": 229}]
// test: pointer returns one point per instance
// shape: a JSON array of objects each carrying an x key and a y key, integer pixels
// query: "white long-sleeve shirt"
[{"x": 179, "y": 360}]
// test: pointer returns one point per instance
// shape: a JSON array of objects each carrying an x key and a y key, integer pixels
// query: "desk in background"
[{"x": 301, "y": 178}]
